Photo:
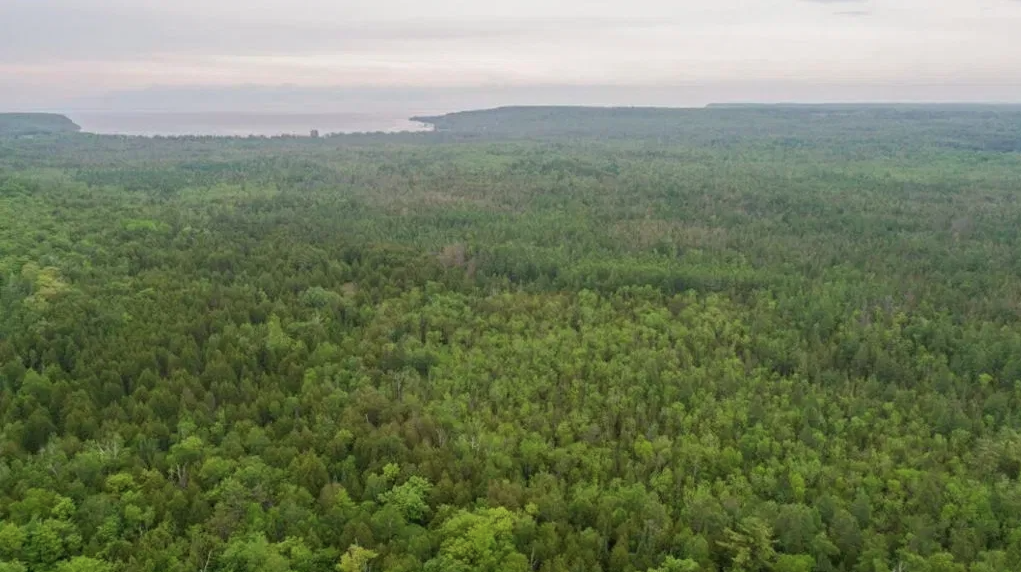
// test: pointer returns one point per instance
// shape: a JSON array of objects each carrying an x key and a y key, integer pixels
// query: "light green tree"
[
  {"x": 357, "y": 559},
  {"x": 750, "y": 546},
  {"x": 409, "y": 498},
  {"x": 84, "y": 564},
  {"x": 480, "y": 541},
  {"x": 671, "y": 564}
]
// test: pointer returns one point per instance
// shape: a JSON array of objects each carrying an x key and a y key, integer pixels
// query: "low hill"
[
  {"x": 559, "y": 120},
  {"x": 16, "y": 124},
  {"x": 985, "y": 128}
]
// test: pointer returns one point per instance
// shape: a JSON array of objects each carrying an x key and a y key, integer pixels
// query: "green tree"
[
  {"x": 750, "y": 546},
  {"x": 84, "y": 564},
  {"x": 410, "y": 498},
  {"x": 357, "y": 559},
  {"x": 481, "y": 541},
  {"x": 794, "y": 563}
]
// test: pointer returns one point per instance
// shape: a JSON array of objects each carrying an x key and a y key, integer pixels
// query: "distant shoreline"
[{"x": 241, "y": 124}]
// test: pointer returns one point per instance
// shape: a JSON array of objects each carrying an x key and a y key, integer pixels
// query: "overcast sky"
[{"x": 54, "y": 52}]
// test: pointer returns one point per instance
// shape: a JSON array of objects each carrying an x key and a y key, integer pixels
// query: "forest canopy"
[{"x": 536, "y": 339}]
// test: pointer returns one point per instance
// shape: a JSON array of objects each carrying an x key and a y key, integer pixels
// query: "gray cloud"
[
  {"x": 64, "y": 50},
  {"x": 61, "y": 29}
]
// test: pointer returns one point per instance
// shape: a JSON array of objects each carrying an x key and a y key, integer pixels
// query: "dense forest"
[{"x": 537, "y": 339}]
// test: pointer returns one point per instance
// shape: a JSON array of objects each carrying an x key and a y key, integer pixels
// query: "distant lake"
[{"x": 241, "y": 124}]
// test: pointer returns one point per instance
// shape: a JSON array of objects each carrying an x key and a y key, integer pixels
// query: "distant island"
[
  {"x": 21, "y": 124},
  {"x": 867, "y": 106}
]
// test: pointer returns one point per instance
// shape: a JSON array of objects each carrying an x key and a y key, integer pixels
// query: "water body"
[{"x": 241, "y": 124}]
